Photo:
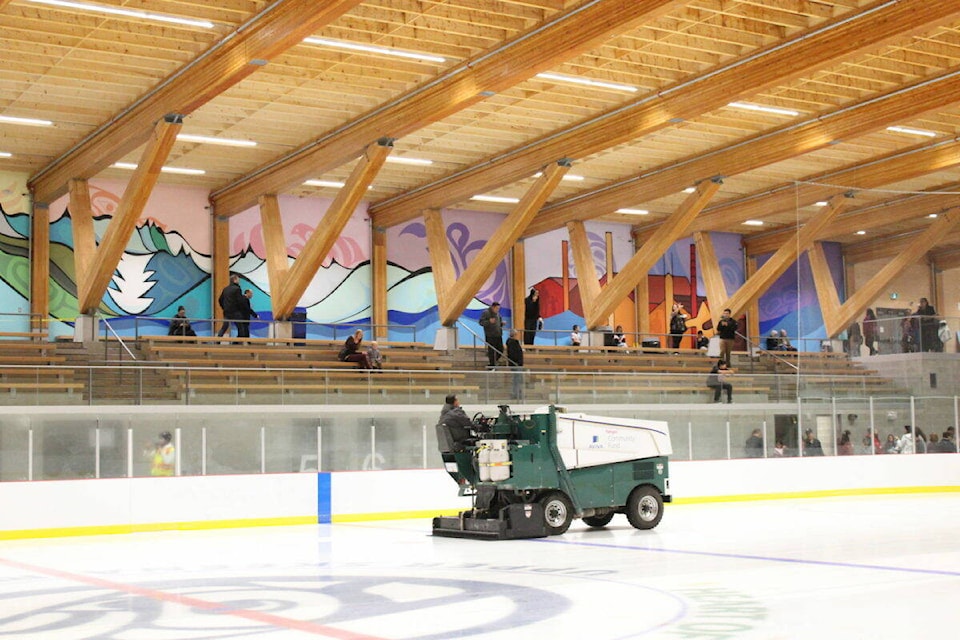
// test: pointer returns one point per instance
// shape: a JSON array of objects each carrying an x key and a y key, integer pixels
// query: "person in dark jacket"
[
  {"x": 727, "y": 330},
  {"x": 753, "y": 447},
  {"x": 455, "y": 429},
  {"x": 531, "y": 316},
  {"x": 351, "y": 350},
  {"x": 232, "y": 303},
  {"x": 492, "y": 325},
  {"x": 811, "y": 444},
  {"x": 515, "y": 359},
  {"x": 718, "y": 382},
  {"x": 246, "y": 312},
  {"x": 180, "y": 324}
]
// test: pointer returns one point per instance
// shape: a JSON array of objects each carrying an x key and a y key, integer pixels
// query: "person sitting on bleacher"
[
  {"x": 180, "y": 324},
  {"x": 619, "y": 338},
  {"x": 773, "y": 342}
]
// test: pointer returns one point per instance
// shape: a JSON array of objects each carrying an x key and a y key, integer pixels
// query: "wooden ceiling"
[{"x": 488, "y": 122}]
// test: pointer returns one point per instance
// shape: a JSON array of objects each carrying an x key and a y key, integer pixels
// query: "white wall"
[{"x": 33, "y": 509}]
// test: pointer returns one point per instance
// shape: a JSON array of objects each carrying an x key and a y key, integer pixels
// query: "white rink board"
[{"x": 586, "y": 441}]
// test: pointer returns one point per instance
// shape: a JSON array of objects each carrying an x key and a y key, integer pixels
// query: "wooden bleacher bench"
[
  {"x": 31, "y": 360},
  {"x": 38, "y": 386},
  {"x": 23, "y": 335},
  {"x": 28, "y": 371}
]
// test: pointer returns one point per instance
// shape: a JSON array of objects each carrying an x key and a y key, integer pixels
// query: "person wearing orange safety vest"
[{"x": 162, "y": 456}]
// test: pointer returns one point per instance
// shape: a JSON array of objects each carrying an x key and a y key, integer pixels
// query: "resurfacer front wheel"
[
  {"x": 644, "y": 507},
  {"x": 599, "y": 521},
  {"x": 557, "y": 512}
]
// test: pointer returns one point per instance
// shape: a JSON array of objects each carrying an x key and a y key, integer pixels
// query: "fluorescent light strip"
[
  {"x": 325, "y": 183},
  {"x": 5, "y": 154},
  {"x": 178, "y": 170},
  {"x": 31, "y": 122},
  {"x": 634, "y": 212},
  {"x": 422, "y": 162},
  {"x": 913, "y": 132},
  {"x": 569, "y": 177},
  {"x": 587, "y": 82},
  {"x": 861, "y": 233},
  {"x": 753, "y": 223},
  {"x": 127, "y": 13},
  {"x": 353, "y": 46},
  {"x": 500, "y": 199},
  {"x": 933, "y": 215},
  {"x": 225, "y": 142},
  {"x": 689, "y": 189},
  {"x": 822, "y": 203},
  {"x": 759, "y": 107}
]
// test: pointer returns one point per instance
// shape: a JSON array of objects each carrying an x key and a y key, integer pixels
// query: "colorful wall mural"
[{"x": 168, "y": 263}]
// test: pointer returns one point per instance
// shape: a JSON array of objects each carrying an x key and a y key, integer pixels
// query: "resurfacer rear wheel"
[
  {"x": 644, "y": 507},
  {"x": 557, "y": 512},
  {"x": 599, "y": 521}
]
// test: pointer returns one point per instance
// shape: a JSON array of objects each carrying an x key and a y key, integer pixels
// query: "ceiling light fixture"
[
  {"x": 324, "y": 183},
  {"x": 689, "y": 189},
  {"x": 821, "y": 203},
  {"x": 861, "y": 233},
  {"x": 932, "y": 215},
  {"x": 587, "y": 82},
  {"x": 178, "y": 170},
  {"x": 225, "y": 142},
  {"x": 127, "y": 13},
  {"x": 763, "y": 108},
  {"x": 500, "y": 199},
  {"x": 31, "y": 122},
  {"x": 5, "y": 154},
  {"x": 753, "y": 223},
  {"x": 634, "y": 212},
  {"x": 913, "y": 132},
  {"x": 569, "y": 177},
  {"x": 353, "y": 46},
  {"x": 423, "y": 162}
]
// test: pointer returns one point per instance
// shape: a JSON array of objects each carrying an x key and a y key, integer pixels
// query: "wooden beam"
[
  {"x": 639, "y": 265},
  {"x": 608, "y": 254},
  {"x": 575, "y": 32},
  {"x": 221, "y": 263},
  {"x": 441, "y": 262},
  {"x": 917, "y": 247},
  {"x": 587, "y": 280},
  {"x": 762, "y": 150},
  {"x": 826, "y": 288},
  {"x": 947, "y": 260},
  {"x": 785, "y": 256},
  {"x": 39, "y": 267},
  {"x": 712, "y": 274},
  {"x": 518, "y": 286},
  {"x": 502, "y": 239},
  {"x": 125, "y": 220},
  {"x": 279, "y": 26},
  {"x": 753, "y": 309},
  {"x": 319, "y": 244},
  {"x": 642, "y": 292},
  {"x": 275, "y": 245},
  {"x": 806, "y": 52},
  {"x": 378, "y": 261},
  {"x": 84, "y": 237}
]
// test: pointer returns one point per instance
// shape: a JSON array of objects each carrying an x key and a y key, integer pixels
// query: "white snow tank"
[{"x": 586, "y": 440}]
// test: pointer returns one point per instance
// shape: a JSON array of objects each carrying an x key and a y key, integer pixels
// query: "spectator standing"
[
  {"x": 727, "y": 330},
  {"x": 162, "y": 455},
  {"x": 905, "y": 444},
  {"x": 753, "y": 447},
  {"x": 944, "y": 334},
  {"x": 246, "y": 312},
  {"x": 515, "y": 361},
  {"x": 779, "y": 450},
  {"x": 180, "y": 324},
  {"x": 891, "y": 444},
  {"x": 845, "y": 446},
  {"x": 232, "y": 303},
  {"x": 678, "y": 325},
  {"x": 928, "y": 327},
  {"x": 351, "y": 350},
  {"x": 531, "y": 316},
  {"x": 946, "y": 444},
  {"x": 908, "y": 337},
  {"x": 575, "y": 336},
  {"x": 870, "y": 331},
  {"x": 492, "y": 325},
  {"x": 811, "y": 444},
  {"x": 854, "y": 340}
]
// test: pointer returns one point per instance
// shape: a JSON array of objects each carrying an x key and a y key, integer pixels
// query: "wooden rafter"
[
  {"x": 902, "y": 165},
  {"x": 378, "y": 261},
  {"x": 636, "y": 269},
  {"x": 39, "y": 267},
  {"x": 285, "y": 23},
  {"x": 275, "y": 245},
  {"x": 760, "y": 151},
  {"x": 456, "y": 300},
  {"x": 124, "y": 221},
  {"x": 587, "y": 281},
  {"x": 573, "y": 33},
  {"x": 909, "y": 253},
  {"x": 783, "y": 257},
  {"x": 518, "y": 285},
  {"x": 823, "y": 282},
  {"x": 319, "y": 244},
  {"x": 712, "y": 274},
  {"x": 221, "y": 261},
  {"x": 84, "y": 238},
  {"x": 806, "y": 53}
]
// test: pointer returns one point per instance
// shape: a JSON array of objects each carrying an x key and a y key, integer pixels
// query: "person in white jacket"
[{"x": 905, "y": 443}]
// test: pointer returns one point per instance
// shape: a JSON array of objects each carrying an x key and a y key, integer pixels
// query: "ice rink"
[{"x": 864, "y": 567}]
